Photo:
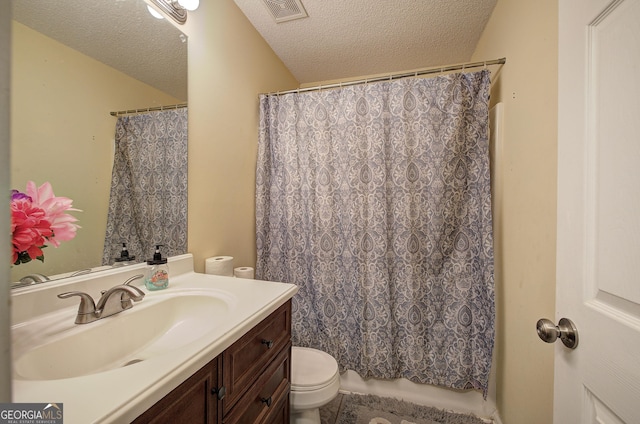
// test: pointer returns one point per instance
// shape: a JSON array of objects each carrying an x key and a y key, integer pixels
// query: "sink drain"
[{"x": 133, "y": 361}]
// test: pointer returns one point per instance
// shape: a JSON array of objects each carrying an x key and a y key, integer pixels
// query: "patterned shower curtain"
[
  {"x": 148, "y": 201},
  {"x": 375, "y": 200}
]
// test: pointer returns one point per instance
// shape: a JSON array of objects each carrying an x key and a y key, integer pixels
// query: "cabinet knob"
[
  {"x": 268, "y": 343},
  {"x": 219, "y": 391},
  {"x": 266, "y": 400}
]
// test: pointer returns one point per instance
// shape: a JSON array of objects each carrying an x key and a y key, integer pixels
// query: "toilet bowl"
[{"x": 315, "y": 381}]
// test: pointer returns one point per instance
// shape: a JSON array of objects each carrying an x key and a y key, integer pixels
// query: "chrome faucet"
[
  {"x": 117, "y": 299},
  {"x": 27, "y": 280}
]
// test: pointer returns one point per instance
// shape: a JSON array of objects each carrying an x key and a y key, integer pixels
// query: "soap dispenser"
[
  {"x": 124, "y": 258},
  {"x": 157, "y": 277}
]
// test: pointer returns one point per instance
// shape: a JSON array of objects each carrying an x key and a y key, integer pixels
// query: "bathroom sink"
[{"x": 54, "y": 349}]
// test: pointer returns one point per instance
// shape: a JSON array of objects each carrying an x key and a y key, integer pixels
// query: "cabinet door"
[
  {"x": 264, "y": 401},
  {"x": 249, "y": 357},
  {"x": 192, "y": 402}
]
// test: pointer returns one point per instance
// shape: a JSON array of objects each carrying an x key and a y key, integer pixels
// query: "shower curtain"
[
  {"x": 148, "y": 200},
  {"x": 375, "y": 200}
]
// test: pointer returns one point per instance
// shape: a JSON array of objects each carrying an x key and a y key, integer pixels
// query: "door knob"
[{"x": 566, "y": 331}]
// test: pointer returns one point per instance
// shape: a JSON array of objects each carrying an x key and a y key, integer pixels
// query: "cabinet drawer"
[
  {"x": 264, "y": 401},
  {"x": 279, "y": 413},
  {"x": 249, "y": 357}
]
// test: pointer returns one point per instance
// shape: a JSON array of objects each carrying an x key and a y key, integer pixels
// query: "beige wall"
[
  {"x": 60, "y": 104},
  {"x": 526, "y": 33},
  {"x": 229, "y": 65}
]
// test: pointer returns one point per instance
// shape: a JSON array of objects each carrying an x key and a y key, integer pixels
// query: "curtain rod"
[
  {"x": 149, "y": 109},
  {"x": 435, "y": 70}
]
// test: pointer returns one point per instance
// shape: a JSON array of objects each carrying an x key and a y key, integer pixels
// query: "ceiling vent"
[{"x": 285, "y": 10}]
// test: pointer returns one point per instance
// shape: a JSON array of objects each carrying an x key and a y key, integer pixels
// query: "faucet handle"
[
  {"x": 128, "y": 283},
  {"x": 131, "y": 280},
  {"x": 87, "y": 305}
]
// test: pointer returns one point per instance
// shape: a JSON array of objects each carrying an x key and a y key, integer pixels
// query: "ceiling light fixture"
[
  {"x": 154, "y": 12},
  {"x": 177, "y": 9},
  {"x": 188, "y": 4}
]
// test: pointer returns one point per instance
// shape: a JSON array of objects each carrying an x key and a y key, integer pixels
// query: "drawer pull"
[
  {"x": 267, "y": 401},
  {"x": 268, "y": 343},
  {"x": 219, "y": 391}
]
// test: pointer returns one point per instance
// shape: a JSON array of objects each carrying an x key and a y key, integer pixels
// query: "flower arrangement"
[{"x": 39, "y": 217}]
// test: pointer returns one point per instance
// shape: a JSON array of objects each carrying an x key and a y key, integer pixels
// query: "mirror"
[{"x": 74, "y": 62}]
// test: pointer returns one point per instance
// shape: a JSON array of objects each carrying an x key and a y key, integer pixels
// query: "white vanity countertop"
[{"x": 122, "y": 394}]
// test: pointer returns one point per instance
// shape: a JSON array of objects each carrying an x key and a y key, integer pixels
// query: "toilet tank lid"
[{"x": 311, "y": 368}]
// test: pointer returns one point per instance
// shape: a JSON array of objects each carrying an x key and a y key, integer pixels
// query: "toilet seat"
[
  {"x": 315, "y": 381},
  {"x": 320, "y": 369}
]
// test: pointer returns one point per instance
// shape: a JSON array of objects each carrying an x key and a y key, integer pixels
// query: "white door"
[{"x": 598, "y": 256}]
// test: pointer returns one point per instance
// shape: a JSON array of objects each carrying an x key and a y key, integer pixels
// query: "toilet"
[{"x": 315, "y": 381}]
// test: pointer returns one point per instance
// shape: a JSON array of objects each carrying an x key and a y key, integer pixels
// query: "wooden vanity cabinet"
[
  {"x": 249, "y": 361},
  {"x": 248, "y": 383},
  {"x": 190, "y": 402},
  {"x": 266, "y": 395}
]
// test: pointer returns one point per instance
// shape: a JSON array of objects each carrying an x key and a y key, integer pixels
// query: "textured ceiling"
[
  {"x": 349, "y": 38},
  {"x": 118, "y": 33},
  {"x": 340, "y": 39}
]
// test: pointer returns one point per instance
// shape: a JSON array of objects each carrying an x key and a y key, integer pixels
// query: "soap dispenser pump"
[
  {"x": 124, "y": 258},
  {"x": 157, "y": 277}
]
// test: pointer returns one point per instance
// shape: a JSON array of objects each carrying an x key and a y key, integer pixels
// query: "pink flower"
[
  {"x": 30, "y": 229},
  {"x": 38, "y": 217},
  {"x": 62, "y": 224}
]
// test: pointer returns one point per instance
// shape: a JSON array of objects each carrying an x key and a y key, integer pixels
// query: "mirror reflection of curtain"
[
  {"x": 375, "y": 200},
  {"x": 148, "y": 200}
]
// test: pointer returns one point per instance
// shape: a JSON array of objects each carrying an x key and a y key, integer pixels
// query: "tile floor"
[{"x": 329, "y": 412}]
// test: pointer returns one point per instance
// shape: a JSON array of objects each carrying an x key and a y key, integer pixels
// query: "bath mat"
[{"x": 369, "y": 409}]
